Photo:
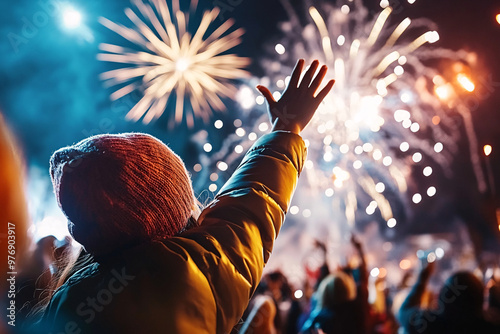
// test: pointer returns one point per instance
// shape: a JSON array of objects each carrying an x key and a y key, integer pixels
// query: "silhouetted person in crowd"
[
  {"x": 159, "y": 268},
  {"x": 341, "y": 302},
  {"x": 459, "y": 306}
]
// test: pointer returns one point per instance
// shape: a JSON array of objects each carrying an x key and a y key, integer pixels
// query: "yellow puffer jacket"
[{"x": 200, "y": 281}]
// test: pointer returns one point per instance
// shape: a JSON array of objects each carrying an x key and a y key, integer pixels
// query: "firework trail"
[{"x": 168, "y": 58}]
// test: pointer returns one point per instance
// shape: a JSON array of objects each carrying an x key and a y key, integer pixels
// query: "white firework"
[
  {"x": 170, "y": 59},
  {"x": 384, "y": 117}
]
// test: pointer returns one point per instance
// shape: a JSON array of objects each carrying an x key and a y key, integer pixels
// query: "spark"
[{"x": 168, "y": 59}]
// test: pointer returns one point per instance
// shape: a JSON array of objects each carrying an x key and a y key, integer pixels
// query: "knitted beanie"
[{"x": 119, "y": 190}]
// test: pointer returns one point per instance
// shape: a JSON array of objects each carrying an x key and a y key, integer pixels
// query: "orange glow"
[
  {"x": 466, "y": 83},
  {"x": 382, "y": 273},
  {"x": 405, "y": 264},
  {"x": 498, "y": 18},
  {"x": 443, "y": 92},
  {"x": 487, "y": 149},
  {"x": 436, "y": 120}
]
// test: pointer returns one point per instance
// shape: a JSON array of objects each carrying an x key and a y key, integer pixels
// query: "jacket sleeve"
[{"x": 237, "y": 230}]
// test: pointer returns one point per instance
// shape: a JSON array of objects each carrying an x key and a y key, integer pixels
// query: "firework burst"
[
  {"x": 167, "y": 58},
  {"x": 383, "y": 121}
]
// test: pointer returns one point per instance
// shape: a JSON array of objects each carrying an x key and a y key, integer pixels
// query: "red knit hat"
[{"x": 118, "y": 190}]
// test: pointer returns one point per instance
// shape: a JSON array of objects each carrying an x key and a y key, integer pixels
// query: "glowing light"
[
  {"x": 294, "y": 210},
  {"x": 306, "y": 213},
  {"x": 182, "y": 64},
  {"x": 240, "y": 132},
  {"x": 280, "y": 49},
  {"x": 406, "y": 123},
  {"x": 344, "y": 148},
  {"x": 358, "y": 149},
  {"x": 380, "y": 187},
  {"x": 417, "y": 198},
  {"x": 212, "y": 187},
  {"x": 498, "y": 18},
  {"x": 309, "y": 164},
  {"x": 341, "y": 40},
  {"x": 263, "y": 126},
  {"x": 405, "y": 97},
  {"x": 398, "y": 70},
  {"x": 431, "y": 36},
  {"x": 222, "y": 166},
  {"x": 345, "y": 9},
  {"x": 436, "y": 120},
  {"x": 238, "y": 149},
  {"x": 431, "y": 257},
  {"x": 391, "y": 223},
  {"x": 417, "y": 157},
  {"x": 218, "y": 124},
  {"x": 207, "y": 147},
  {"x": 411, "y": 2},
  {"x": 298, "y": 294},
  {"x": 420, "y": 254},
  {"x": 237, "y": 123},
  {"x": 374, "y": 272},
  {"x": 401, "y": 115},
  {"x": 328, "y": 156},
  {"x": 466, "y": 83},
  {"x": 439, "y": 252},
  {"x": 387, "y": 161},
  {"x": 370, "y": 209},
  {"x": 214, "y": 177},
  {"x": 367, "y": 147},
  {"x": 427, "y": 171},
  {"x": 197, "y": 168},
  {"x": 487, "y": 150},
  {"x": 438, "y": 147},
  {"x": 357, "y": 164},
  {"x": 404, "y": 146},
  {"x": 71, "y": 18},
  {"x": 405, "y": 264},
  {"x": 171, "y": 61},
  {"x": 444, "y": 92},
  {"x": 377, "y": 154},
  {"x": 329, "y": 192},
  {"x": 431, "y": 191},
  {"x": 383, "y": 272},
  {"x": 252, "y": 136},
  {"x": 415, "y": 127},
  {"x": 260, "y": 100},
  {"x": 276, "y": 95}
]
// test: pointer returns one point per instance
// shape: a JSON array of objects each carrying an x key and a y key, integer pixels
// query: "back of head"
[
  {"x": 119, "y": 190},
  {"x": 336, "y": 289},
  {"x": 462, "y": 295}
]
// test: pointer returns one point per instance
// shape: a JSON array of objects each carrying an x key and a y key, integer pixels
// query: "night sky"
[{"x": 51, "y": 95}]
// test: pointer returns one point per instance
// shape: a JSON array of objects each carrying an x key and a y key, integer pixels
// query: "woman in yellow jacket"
[{"x": 129, "y": 202}]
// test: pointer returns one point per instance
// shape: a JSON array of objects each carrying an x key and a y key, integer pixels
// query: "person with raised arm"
[{"x": 158, "y": 268}]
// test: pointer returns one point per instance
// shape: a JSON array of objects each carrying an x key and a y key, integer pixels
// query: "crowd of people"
[{"x": 153, "y": 261}]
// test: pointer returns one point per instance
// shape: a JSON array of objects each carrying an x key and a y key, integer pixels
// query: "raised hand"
[{"x": 293, "y": 111}]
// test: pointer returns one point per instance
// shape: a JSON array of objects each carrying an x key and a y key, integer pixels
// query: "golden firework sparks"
[{"x": 171, "y": 59}]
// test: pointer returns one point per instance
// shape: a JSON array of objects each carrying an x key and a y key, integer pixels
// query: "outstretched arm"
[
  {"x": 237, "y": 230},
  {"x": 411, "y": 306}
]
